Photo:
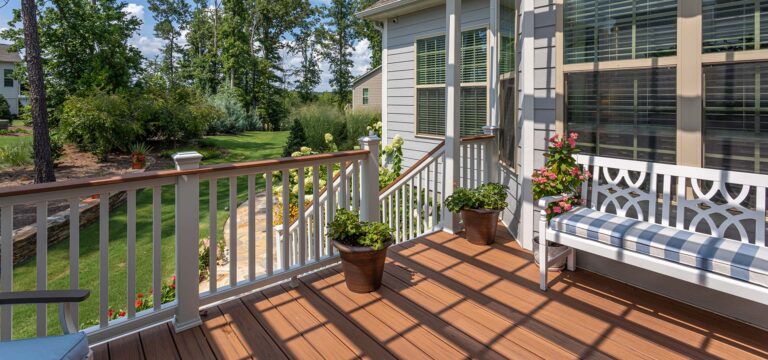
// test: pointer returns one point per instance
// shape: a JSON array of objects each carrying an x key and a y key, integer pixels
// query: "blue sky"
[{"x": 149, "y": 45}]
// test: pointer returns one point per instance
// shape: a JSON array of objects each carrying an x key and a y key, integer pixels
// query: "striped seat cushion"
[{"x": 743, "y": 261}]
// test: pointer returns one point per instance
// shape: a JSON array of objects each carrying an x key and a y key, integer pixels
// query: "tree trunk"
[{"x": 41, "y": 140}]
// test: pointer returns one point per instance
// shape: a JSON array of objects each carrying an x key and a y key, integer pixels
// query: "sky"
[{"x": 149, "y": 45}]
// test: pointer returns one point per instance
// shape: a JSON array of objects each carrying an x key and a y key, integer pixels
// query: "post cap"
[
  {"x": 371, "y": 138},
  {"x": 187, "y": 160},
  {"x": 490, "y": 129}
]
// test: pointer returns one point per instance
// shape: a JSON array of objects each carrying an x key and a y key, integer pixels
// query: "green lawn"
[
  {"x": 10, "y": 140},
  {"x": 247, "y": 147}
]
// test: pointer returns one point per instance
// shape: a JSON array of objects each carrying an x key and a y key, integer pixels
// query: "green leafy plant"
[
  {"x": 561, "y": 175},
  {"x": 490, "y": 196},
  {"x": 347, "y": 228},
  {"x": 19, "y": 154},
  {"x": 140, "y": 149}
]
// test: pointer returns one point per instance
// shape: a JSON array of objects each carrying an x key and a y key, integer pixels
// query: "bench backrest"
[{"x": 720, "y": 203}]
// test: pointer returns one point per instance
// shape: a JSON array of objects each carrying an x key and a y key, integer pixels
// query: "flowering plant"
[{"x": 560, "y": 175}]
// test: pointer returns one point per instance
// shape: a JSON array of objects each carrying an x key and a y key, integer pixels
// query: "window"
[
  {"x": 507, "y": 105},
  {"x": 627, "y": 114},
  {"x": 430, "y": 84},
  {"x": 8, "y": 77},
  {"x": 736, "y": 117},
  {"x": 365, "y": 96},
  {"x": 734, "y": 25},
  {"x": 603, "y": 30}
]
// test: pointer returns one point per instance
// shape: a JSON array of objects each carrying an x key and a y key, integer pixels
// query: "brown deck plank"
[
  {"x": 380, "y": 330},
  {"x": 310, "y": 328},
  {"x": 433, "y": 343},
  {"x": 192, "y": 344},
  {"x": 222, "y": 339},
  {"x": 127, "y": 347},
  {"x": 279, "y": 329},
  {"x": 345, "y": 330},
  {"x": 157, "y": 343},
  {"x": 101, "y": 351},
  {"x": 606, "y": 312},
  {"x": 255, "y": 339}
]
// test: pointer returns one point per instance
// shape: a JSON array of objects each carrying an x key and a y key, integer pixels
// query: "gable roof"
[
  {"x": 7, "y": 56},
  {"x": 384, "y": 9},
  {"x": 373, "y": 72}
]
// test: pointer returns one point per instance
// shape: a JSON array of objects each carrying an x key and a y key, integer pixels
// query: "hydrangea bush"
[{"x": 561, "y": 175}]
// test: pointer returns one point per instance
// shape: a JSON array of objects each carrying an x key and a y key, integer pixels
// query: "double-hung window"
[
  {"x": 629, "y": 110},
  {"x": 507, "y": 87},
  {"x": 7, "y": 77},
  {"x": 430, "y": 84},
  {"x": 365, "y": 96}
]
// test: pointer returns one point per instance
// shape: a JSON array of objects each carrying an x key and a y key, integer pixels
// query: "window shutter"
[
  {"x": 736, "y": 117},
  {"x": 603, "y": 30}
]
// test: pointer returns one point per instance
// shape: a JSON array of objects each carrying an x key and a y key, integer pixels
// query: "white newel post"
[
  {"x": 491, "y": 156},
  {"x": 452, "y": 113},
  {"x": 187, "y": 241},
  {"x": 369, "y": 179}
]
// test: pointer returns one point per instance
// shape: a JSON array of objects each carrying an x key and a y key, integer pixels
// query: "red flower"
[
  {"x": 110, "y": 312},
  {"x": 139, "y": 295},
  {"x": 138, "y": 303},
  {"x": 173, "y": 278},
  {"x": 121, "y": 313},
  {"x": 173, "y": 286}
]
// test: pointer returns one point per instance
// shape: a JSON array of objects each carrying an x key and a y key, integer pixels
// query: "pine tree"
[
  {"x": 171, "y": 16},
  {"x": 296, "y": 139},
  {"x": 308, "y": 71},
  {"x": 339, "y": 35}
]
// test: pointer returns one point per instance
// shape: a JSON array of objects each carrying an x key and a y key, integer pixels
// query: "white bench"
[{"x": 703, "y": 226}]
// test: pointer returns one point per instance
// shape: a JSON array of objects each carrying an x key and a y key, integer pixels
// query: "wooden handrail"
[
  {"x": 474, "y": 138},
  {"x": 414, "y": 166},
  {"x": 160, "y": 174}
]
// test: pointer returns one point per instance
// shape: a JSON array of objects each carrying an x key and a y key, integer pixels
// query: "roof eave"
[{"x": 397, "y": 8}]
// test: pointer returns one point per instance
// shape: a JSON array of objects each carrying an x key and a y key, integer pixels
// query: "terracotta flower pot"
[
  {"x": 480, "y": 225},
  {"x": 363, "y": 267},
  {"x": 137, "y": 161}
]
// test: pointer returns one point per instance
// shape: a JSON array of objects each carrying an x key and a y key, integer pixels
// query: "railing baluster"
[
  {"x": 330, "y": 207},
  {"x": 270, "y": 226},
  {"x": 316, "y": 236},
  {"x": 427, "y": 225},
  {"x": 42, "y": 264},
  {"x": 397, "y": 215},
  {"x": 131, "y": 256},
  {"x": 286, "y": 238},
  {"x": 251, "y": 227},
  {"x": 6, "y": 269},
  {"x": 410, "y": 210},
  {"x": 74, "y": 252},
  {"x": 213, "y": 209},
  {"x": 157, "y": 248},
  {"x": 356, "y": 185},
  {"x": 471, "y": 168},
  {"x": 464, "y": 168},
  {"x": 343, "y": 191},
  {"x": 302, "y": 220},
  {"x": 103, "y": 259},
  {"x": 419, "y": 225},
  {"x": 232, "y": 231},
  {"x": 435, "y": 208}
]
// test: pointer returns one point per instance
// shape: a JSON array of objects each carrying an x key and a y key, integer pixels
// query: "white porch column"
[
  {"x": 493, "y": 65},
  {"x": 369, "y": 179},
  {"x": 384, "y": 83},
  {"x": 187, "y": 242},
  {"x": 452, "y": 98},
  {"x": 527, "y": 99}
]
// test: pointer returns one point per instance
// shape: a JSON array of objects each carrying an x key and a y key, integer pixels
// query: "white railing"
[{"x": 308, "y": 250}]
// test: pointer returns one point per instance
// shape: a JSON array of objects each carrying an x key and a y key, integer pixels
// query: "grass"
[
  {"x": 12, "y": 140},
  {"x": 247, "y": 147}
]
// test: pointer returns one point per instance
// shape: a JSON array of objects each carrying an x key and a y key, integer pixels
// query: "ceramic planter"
[
  {"x": 480, "y": 225},
  {"x": 553, "y": 250},
  {"x": 363, "y": 267}
]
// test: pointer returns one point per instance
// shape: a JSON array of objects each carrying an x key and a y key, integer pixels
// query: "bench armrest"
[
  {"x": 545, "y": 201},
  {"x": 44, "y": 296}
]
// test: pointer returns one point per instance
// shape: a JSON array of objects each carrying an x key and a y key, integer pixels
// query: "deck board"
[{"x": 444, "y": 298}]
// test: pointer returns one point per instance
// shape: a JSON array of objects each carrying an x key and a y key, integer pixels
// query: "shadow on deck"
[{"x": 444, "y": 298}]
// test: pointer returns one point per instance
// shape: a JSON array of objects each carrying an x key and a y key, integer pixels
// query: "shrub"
[
  {"x": 488, "y": 196},
  {"x": 359, "y": 122},
  {"x": 347, "y": 228},
  {"x": 319, "y": 119},
  {"x": 296, "y": 139},
  {"x": 57, "y": 146},
  {"x": 5, "y": 109},
  {"x": 233, "y": 118},
  {"x": 18, "y": 154}
]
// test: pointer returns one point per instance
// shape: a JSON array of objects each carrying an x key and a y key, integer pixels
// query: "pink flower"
[
  {"x": 559, "y": 144},
  {"x": 562, "y": 204},
  {"x": 557, "y": 209},
  {"x": 552, "y": 176},
  {"x": 574, "y": 136},
  {"x": 554, "y": 138},
  {"x": 575, "y": 171},
  {"x": 572, "y": 142},
  {"x": 581, "y": 177},
  {"x": 568, "y": 207}
]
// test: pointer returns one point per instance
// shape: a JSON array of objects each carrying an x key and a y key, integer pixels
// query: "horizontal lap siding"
[{"x": 401, "y": 68}]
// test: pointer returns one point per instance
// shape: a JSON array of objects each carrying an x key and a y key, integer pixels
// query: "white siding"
[{"x": 11, "y": 94}]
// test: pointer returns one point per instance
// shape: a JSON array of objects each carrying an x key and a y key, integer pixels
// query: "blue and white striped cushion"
[{"x": 732, "y": 258}]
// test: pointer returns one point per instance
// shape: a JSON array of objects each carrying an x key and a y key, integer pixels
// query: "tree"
[
  {"x": 308, "y": 71},
  {"x": 41, "y": 140},
  {"x": 366, "y": 29},
  {"x": 171, "y": 16},
  {"x": 296, "y": 139},
  {"x": 339, "y": 35},
  {"x": 202, "y": 65}
]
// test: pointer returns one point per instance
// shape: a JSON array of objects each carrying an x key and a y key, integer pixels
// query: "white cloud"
[
  {"x": 361, "y": 57},
  {"x": 134, "y": 10},
  {"x": 149, "y": 46}
]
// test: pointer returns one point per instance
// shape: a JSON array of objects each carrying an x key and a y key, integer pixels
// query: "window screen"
[
  {"x": 736, "y": 117},
  {"x": 430, "y": 61},
  {"x": 474, "y": 56},
  {"x": 629, "y": 114},
  {"x": 430, "y": 111},
  {"x": 733, "y": 25},
  {"x": 603, "y": 30}
]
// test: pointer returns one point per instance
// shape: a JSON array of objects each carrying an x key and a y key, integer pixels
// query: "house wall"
[
  {"x": 11, "y": 94},
  {"x": 373, "y": 84},
  {"x": 401, "y": 70},
  {"x": 544, "y": 126}
]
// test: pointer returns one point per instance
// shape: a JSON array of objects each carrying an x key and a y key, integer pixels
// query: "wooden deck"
[{"x": 444, "y": 298}]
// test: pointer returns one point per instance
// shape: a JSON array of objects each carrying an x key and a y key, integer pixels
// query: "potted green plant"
[
  {"x": 139, "y": 153},
  {"x": 560, "y": 175},
  {"x": 363, "y": 248},
  {"x": 479, "y": 208}
]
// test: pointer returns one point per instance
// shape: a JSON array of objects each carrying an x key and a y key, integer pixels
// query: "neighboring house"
[
  {"x": 366, "y": 91},
  {"x": 10, "y": 89},
  {"x": 681, "y": 82}
]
